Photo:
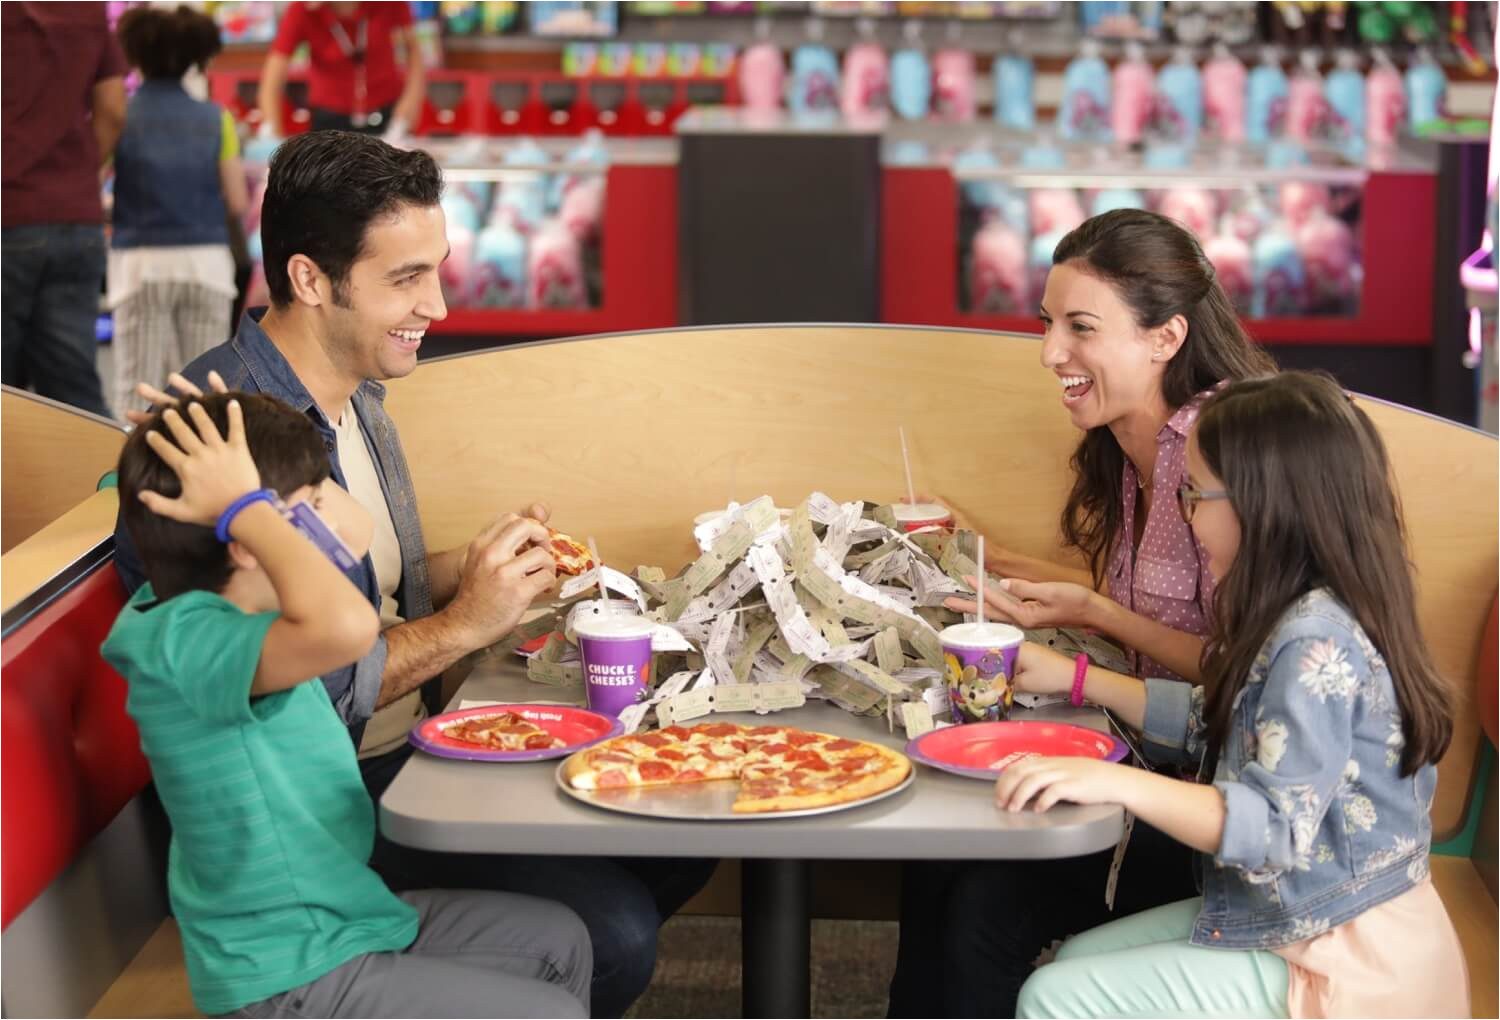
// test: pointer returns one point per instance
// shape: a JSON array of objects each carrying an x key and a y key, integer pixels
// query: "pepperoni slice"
[
  {"x": 766, "y": 731},
  {"x": 671, "y": 755},
  {"x": 719, "y": 730},
  {"x": 653, "y": 739},
  {"x": 539, "y": 742},
  {"x": 841, "y": 745},
  {"x": 656, "y": 771},
  {"x": 677, "y": 732},
  {"x": 853, "y": 764},
  {"x": 614, "y": 777},
  {"x": 742, "y": 746},
  {"x": 813, "y": 763},
  {"x": 689, "y": 775},
  {"x": 776, "y": 748},
  {"x": 798, "y": 739}
]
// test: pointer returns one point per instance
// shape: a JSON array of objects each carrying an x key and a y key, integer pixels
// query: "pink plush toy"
[
  {"x": 954, "y": 97},
  {"x": 1055, "y": 210},
  {"x": 762, "y": 78},
  {"x": 1231, "y": 258},
  {"x": 997, "y": 270},
  {"x": 583, "y": 208},
  {"x": 554, "y": 269},
  {"x": 1301, "y": 200},
  {"x": 1192, "y": 207},
  {"x": 1326, "y": 245},
  {"x": 866, "y": 82},
  {"x": 1224, "y": 95},
  {"x": 1131, "y": 90},
  {"x": 457, "y": 271},
  {"x": 1305, "y": 104}
]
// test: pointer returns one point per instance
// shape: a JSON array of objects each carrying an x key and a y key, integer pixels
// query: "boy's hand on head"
[
  {"x": 214, "y": 470},
  {"x": 160, "y": 398}
]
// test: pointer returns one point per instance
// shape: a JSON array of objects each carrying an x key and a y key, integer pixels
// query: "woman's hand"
[
  {"x": 1030, "y": 604},
  {"x": 1049, "y": 780}
]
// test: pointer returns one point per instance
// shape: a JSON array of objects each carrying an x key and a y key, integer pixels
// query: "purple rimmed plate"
[
  {"x": 577, "y": 727},
  {"x": 982, "y": 750}
]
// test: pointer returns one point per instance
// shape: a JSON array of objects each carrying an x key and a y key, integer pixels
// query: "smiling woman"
[{"x": 1138, "y": 333}]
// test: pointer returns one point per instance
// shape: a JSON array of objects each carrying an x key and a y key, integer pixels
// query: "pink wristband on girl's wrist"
[{"x": 1080, "y": 671}]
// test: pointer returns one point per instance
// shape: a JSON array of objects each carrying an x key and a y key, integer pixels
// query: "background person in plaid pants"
[{"x": 178, "y": 179}]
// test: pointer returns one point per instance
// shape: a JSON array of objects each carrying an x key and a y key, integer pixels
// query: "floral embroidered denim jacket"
[{"x": 1319, "y": 825}]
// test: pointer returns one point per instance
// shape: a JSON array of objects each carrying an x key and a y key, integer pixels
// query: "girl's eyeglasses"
[{"x": 1188, "y": 499}]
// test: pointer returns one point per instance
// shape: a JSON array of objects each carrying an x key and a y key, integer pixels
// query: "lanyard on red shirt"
[{"x": 355, "y": 49}]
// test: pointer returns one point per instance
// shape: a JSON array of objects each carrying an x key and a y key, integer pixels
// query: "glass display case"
[{"x": 1309, "y": 246}]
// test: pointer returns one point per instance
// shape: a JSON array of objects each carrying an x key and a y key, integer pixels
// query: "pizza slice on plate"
[{"x": 504, "y": 731}]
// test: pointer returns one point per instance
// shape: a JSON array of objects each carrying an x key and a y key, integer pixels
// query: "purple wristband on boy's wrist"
[
  {"x": 1080, "y": 672},
  {"x": 233, "y": 509}
]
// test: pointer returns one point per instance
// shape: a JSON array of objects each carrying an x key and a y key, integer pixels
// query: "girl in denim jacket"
[{"x": 1319, "y": 726}]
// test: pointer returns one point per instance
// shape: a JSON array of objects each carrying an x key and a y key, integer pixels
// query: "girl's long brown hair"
[
  {"x": 1309, "y": 479},
  {"x": 1158, "y": 269}
]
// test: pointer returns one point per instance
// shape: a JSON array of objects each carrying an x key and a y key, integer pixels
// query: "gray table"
[{"x": 468, "y": 807}]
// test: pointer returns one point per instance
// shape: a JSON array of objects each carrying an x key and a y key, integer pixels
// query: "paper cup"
[
  {"x": 616, "y": 653},
  {"x": 911, "y": 516},
  {"x": 979, "y": 660}
]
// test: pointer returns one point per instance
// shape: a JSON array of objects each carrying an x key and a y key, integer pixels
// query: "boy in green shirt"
[{"x": 272, "y": 829}]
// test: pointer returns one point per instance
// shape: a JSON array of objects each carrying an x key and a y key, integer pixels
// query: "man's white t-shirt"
[{"x": 388, "y": 727}]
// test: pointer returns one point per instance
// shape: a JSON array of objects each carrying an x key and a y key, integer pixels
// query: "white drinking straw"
[
  {"x": 911, "y": 491},
  {"x": 598, "y": 565},
  {"x": 981, "y": 580}
]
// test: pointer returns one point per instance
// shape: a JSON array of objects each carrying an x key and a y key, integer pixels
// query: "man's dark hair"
[
  {"x": 324, "y": 190},
  {"x": 179, "y": 557},
  {"x": 164, "y": 44}
]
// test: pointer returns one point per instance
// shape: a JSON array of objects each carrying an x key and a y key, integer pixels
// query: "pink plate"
[
  {"x": 535, "y": 644},
  {"x": 578, "y": 727},
  {"x": 982, "y": 750}
]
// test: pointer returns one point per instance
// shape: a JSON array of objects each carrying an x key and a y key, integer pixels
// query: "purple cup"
[
  {"x": 979, "y": 660},
  {"x": 616, "y": 653}
]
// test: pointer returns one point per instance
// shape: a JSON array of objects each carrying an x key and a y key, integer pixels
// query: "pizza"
[
  {"x": 779, "y": 768},
  {"x": 572, "y": 556},
  {"x": 505, "y": 731}
]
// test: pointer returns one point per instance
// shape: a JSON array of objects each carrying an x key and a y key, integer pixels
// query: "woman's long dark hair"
[
  {"x": 1309, "y": 479},
  {"x": 1159, "y": 270}
]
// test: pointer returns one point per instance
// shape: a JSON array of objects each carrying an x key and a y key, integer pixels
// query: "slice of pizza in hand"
[{"x": 572, "y": 556}]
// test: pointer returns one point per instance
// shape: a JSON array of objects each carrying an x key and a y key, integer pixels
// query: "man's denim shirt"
[
  {"x": 1319, "y": 823},
  {"x": 251, "y": 363}
]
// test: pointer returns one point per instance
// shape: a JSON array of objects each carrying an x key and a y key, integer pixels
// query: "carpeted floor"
[{"x": 698, "y": 969}]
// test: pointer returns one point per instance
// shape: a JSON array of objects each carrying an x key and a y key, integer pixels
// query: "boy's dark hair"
[
  {"x": 164, "y": 44},
  {"x": 324, "y": 190},
  {"x": 179, "y": 557}
]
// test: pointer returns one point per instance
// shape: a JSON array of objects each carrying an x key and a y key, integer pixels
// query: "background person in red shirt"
[
  {"x": 62, "y": 106},
  {"x": 354, "y": 81}
]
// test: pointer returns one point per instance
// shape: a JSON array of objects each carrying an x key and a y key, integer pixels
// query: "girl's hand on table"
[
  {"x": 1040, "y": 670},
  {"x": 1049, "y": 780}
]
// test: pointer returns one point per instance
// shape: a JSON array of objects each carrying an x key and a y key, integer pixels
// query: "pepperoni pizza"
[{"x": 779, "y": 768}]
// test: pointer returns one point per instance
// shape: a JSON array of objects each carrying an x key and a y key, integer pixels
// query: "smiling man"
[{"x": 353, "y": 235}]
